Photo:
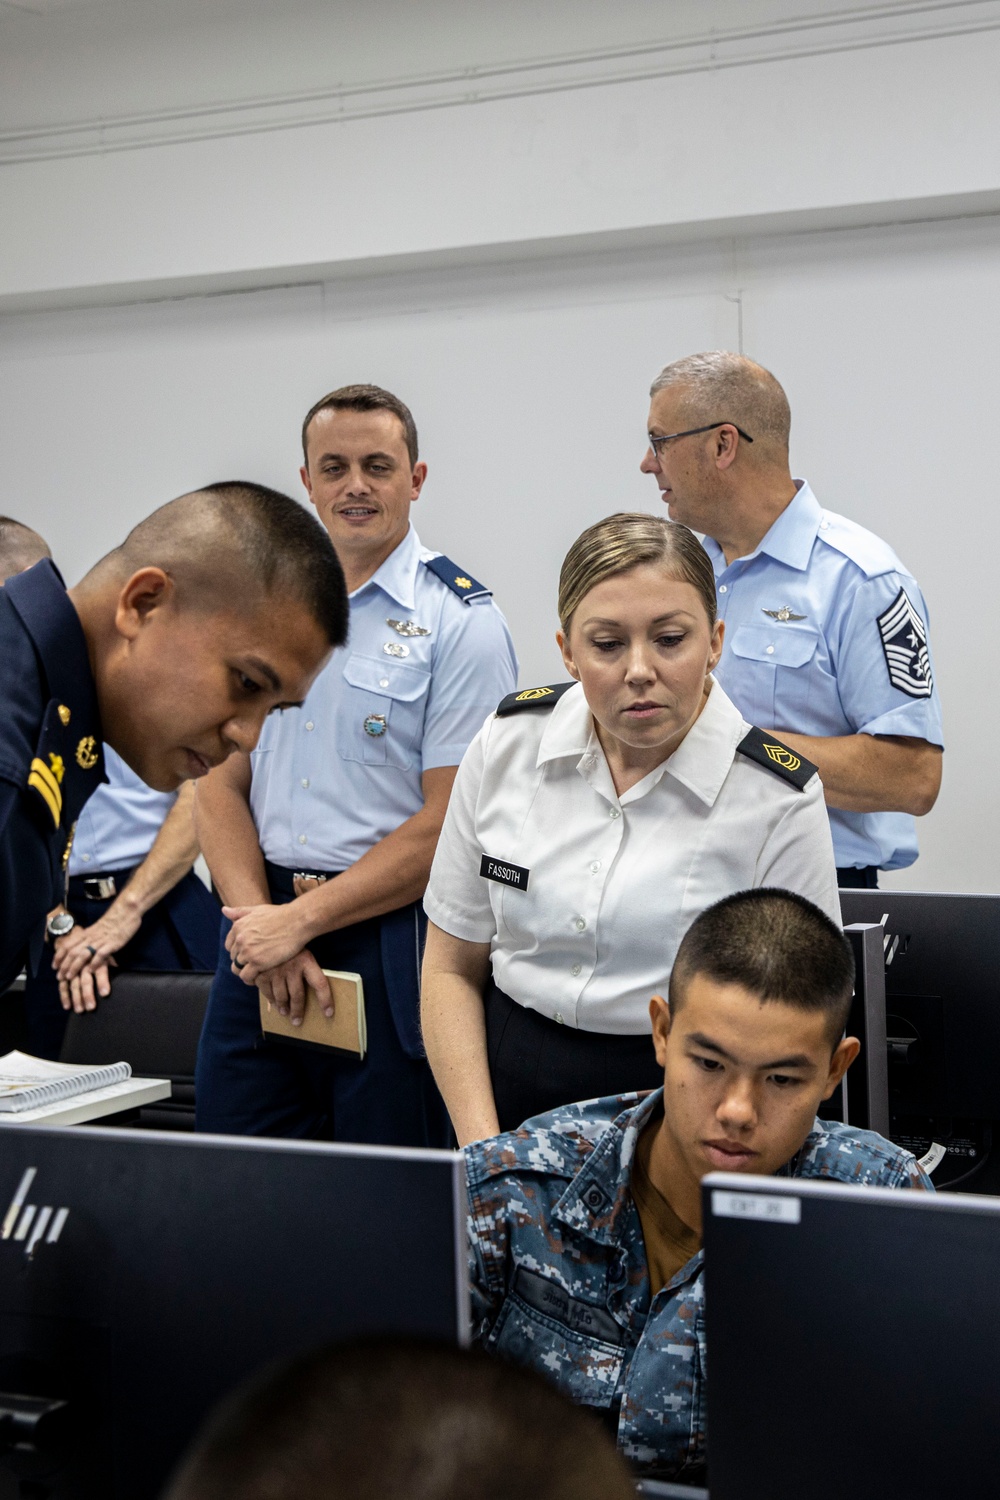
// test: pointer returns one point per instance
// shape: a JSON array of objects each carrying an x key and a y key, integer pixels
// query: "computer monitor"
[
  {"x": 142, "y": 1275},
  {"x": 942, "y": 982},
  {"x": 853, "y": 1341},
  {"x": 863, "y": 1097}
]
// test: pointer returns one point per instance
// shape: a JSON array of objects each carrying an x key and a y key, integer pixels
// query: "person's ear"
[
  {"x": 715, "y": 650},
  {"x": 304, "y": 476},
  {"x": 661, "y": 1019},
  {"x": 727, "y": 442},
  {"x": 562, "y": 641},
  {"x": 843, "y": 1055},
  {"x": 417, "y": 480},
  {"x": 145, "y": 592}
]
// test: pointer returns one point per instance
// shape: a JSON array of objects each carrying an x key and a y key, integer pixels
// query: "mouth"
[
  {"x": 729, "y": 1156},
  {"x": 198, "y": 765},
  {"x": 357, "y": 512},
  {"x": 643, "y": 709}
]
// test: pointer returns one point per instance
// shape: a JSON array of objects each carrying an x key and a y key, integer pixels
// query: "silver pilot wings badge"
[{"x": 783, "y": 614}]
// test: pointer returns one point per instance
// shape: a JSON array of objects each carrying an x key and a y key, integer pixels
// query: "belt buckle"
[
  {"x": 99, "y": 888},
  {"x": 307, "y": 875}
]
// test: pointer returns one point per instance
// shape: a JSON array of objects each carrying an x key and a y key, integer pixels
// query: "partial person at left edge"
[
  {"x": 219, "y": 607},
  {"x": 132, "y": 892}
]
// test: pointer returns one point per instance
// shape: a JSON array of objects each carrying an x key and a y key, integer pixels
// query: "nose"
[
  {"x": 358, "y": 484},
  {"x": 738, "y": 1109},
  {"x": 242, "y": 731},
  {"x": 650, "y": 463},
  {"x": 638, "y": 666}
]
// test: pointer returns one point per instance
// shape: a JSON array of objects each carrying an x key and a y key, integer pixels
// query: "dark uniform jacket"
[
  {"x": 559, "y": 1275},
  {"x": 50, "y": 754}
]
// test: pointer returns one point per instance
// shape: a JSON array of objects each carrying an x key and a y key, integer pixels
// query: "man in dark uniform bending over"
[{"x": 219, "y": 607}]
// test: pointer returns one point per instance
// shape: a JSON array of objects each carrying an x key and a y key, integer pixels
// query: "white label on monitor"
[{"x": 773, "y": 1207}]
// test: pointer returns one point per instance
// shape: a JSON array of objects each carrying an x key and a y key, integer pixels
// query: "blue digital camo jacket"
[{"x": 559, "y": 1277}]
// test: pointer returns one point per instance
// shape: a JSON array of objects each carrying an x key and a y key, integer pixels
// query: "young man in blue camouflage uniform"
[{"x": 585, "y": 1224}]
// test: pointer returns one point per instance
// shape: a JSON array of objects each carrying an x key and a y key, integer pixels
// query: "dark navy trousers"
[
  {"x": 247, "y": 1085},
  {"x": 180, "y": 932}
]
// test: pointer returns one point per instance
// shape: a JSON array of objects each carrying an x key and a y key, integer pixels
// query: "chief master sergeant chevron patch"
[{"x": 904, "y": 642}]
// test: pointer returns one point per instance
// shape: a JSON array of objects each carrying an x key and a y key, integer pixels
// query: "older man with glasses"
[{"x": 826, "y": 631}]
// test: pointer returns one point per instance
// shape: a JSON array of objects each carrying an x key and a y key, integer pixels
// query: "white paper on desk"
[{"x": 29, "y": 1082}]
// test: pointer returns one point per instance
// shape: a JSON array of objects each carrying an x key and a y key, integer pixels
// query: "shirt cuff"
[
  {"x": 460, "y": 924},
  {"x": 908, "y": 721},
  {"x": 442, "y": 755}
]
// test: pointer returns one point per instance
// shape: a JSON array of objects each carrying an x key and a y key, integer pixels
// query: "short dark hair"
[
  {"x": 775, "y": 944},
  {"x": 385, "y": 1418},
  {"x": 365, "y": 398},
  {"x": 20, "y": 547}
]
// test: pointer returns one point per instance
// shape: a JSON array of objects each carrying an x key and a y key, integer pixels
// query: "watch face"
[{"x": 60, "y": 924}]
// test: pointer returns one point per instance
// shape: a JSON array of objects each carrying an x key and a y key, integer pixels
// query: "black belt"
[
  {"x": 101, "y": 887},
  {"x": 282, "y": 881}
]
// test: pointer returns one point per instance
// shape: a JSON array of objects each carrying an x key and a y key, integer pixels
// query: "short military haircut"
[
  {"x": 775, "y": 944},
  {"x": 364, "y": 398},
  {"x": 395, "y": 1419},
  {"x": 719, "y": 386},
  {"x": 20, "y": 547},
  {"x": 236, "y": 544}
]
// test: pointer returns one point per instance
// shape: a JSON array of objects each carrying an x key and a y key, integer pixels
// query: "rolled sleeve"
[
  {"x": 872, "y": 703},
  {"x": 457, "y": 900},
  {"x": 475, "y": 666}
]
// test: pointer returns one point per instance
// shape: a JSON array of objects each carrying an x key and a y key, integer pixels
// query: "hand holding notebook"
[{"x": 344, "y": 1031}]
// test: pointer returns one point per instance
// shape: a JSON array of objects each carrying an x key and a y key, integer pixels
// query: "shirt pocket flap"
[
  {"x": 391, "y": 679},
  {"x": 784, "y": 645}
]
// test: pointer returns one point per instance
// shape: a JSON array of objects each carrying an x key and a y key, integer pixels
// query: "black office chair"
[{"x": 151, "y": 1020}]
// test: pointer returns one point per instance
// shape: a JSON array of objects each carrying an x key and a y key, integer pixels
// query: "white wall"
[{"x": 529, "y": 386}]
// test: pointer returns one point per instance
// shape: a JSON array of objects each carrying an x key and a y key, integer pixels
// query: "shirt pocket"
[
  {"x": 382, "y": 711},
  {"x": 772, "y": 672},
  {"x": 587, "y": 1368}
]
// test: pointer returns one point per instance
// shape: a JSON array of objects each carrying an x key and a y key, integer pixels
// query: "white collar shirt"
[{"x": 613, "y": 882}]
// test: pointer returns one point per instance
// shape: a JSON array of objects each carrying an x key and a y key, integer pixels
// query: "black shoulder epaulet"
[
  {"x": 540, "y": 697},
  {"x": 774, "y": 756},
  {"x": 452, "y": 576}
]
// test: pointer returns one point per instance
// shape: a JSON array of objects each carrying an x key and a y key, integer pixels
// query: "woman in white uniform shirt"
[{"x": 588, "y": 828}]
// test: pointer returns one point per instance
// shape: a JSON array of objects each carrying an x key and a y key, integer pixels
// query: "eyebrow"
[
  {"x": 671, "y": 614},
  {"x": 798, "y": 1060},
  {"x": 341, "y": 457},
  {"x": 267, "y": 671}
]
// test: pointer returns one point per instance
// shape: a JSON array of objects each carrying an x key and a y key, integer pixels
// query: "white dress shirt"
[{"x": 613, "y": 882}]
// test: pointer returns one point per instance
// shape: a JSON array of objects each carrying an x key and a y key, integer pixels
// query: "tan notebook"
[{"x": 346, "y": 1030}]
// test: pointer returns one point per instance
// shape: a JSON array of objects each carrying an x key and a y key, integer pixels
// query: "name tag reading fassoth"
[{"x": 502, "y": 871}]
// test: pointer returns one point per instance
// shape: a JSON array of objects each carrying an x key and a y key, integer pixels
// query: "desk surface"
[{"x": 113, "y": 1100}]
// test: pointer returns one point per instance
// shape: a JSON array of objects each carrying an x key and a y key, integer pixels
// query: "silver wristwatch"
[{"x": 59, "y": 924}]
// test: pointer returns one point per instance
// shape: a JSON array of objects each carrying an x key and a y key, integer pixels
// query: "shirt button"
[
  {"x": 305, "y": 782},
  {"x": 580, "y": 923},
  {"x": 310, "y": 725},
  {"x": 723, "y": 588},
  {"x": 770, "y": 650},
  {"x": 303, "y": 839},
  {"x": 383, "y": 682},
  {"x": 613, "y": 812},
  {"x": 559, "y": 1017},
  {"x": 823, "y": 524},
  {"x": 595, "y": 865},
  {"x": 576, "y": 969},
  {"x": 85, "y": 858}
]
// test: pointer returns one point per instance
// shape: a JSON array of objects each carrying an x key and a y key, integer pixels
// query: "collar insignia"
[
  {"x": 782, "y": 614},
  {"x": 86, "y": 753},
  {"x": 407, "y": 627}
]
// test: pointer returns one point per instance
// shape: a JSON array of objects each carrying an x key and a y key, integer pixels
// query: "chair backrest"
[{"x": 151, "y": 1020}]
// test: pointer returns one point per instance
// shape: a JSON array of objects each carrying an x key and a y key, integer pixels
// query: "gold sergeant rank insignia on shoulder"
[
  {"x": 774, "y": 756},
  {"x": 536, "y": 697}
]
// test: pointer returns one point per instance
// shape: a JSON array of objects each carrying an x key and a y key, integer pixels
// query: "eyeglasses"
[{"x": 654, "y": 442}]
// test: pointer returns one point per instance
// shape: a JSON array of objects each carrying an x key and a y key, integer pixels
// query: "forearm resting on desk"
[
  {"x": 869, "y": 773},
  {"x": 454, "y": 1028}
]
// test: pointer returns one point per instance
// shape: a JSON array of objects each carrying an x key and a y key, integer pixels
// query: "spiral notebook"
[
  {"x": 29, "y": 1082},
  {"x": 345, "y": 1031}
]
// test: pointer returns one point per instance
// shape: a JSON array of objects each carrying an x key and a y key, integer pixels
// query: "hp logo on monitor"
[{"x": 26, "y": 1222}]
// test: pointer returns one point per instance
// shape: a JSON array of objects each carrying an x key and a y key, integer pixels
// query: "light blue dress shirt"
[
  {"x": 119, "y": 824},
  {"x": 409, "y": 692},
  {"x": 826, "y": 634}
]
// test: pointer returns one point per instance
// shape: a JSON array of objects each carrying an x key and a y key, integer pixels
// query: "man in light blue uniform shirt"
[
  {"x": 134, "y": 895},
  {"x": 826, "y": 631},
  {"x": 321, "y": 840}
]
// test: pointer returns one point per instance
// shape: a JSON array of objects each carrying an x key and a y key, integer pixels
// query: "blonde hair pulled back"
[{"x": 625, "y": 541}]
